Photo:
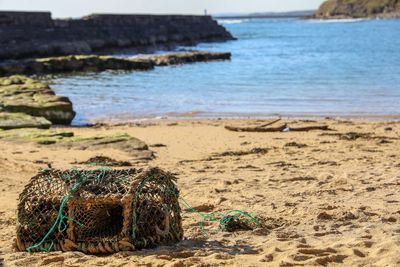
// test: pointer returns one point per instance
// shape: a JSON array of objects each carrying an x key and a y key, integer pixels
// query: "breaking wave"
[{"x": 232, "y": 21}]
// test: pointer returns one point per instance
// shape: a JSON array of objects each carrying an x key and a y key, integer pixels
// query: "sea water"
[{"x": 286, "y": 67}]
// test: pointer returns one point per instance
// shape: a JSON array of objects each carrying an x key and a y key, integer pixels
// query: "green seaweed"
[{"x": 57, "y": 137}]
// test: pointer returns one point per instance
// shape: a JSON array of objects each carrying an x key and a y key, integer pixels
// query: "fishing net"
[{"x": 98, "y": 211}]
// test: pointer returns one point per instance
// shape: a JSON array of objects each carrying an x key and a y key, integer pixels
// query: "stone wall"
[
  {"x": 25, "y": 18},
  {"x": 35, "y": 34}
]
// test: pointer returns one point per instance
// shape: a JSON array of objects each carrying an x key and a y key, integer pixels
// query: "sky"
[{"x": 77, "y": 8}]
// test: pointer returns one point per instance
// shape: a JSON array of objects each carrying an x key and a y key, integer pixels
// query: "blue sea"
[{"x": 289, "y": 67}]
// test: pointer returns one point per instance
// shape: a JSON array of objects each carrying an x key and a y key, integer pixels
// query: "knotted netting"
[{"x": 98, "y": 211}]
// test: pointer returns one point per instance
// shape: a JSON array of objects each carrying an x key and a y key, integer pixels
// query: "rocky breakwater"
[
  {"x": 26, "y": 102},
  {"x": 65, "y": 64},
  {"x": 93, "y": 63},
  {"x": 344, "y": 9},
  {"x": 36, "y": 34}
]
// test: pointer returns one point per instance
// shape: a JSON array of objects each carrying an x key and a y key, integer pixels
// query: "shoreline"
[{"x": 188, "y": 117}]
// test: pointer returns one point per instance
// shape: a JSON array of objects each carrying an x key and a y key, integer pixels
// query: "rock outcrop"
[
  {"x": 184, "y": 58},
  {"x": 134, "y": 147},
  {"x": 19, "y": 94},
  {"x": 36, "y": 34},
  {"x": 342, "y": 9},
  {"x": 95, "y": 63},
  {"x": 21, "y": 120},
  {"x": 65, "y": 64}
]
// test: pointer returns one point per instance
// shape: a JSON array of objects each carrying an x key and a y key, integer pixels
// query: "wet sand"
[{"x": 326, "y": 197}]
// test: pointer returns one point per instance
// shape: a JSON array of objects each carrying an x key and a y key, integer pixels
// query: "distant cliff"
[
  {"x": 332, "y": 9},
  {"x": 36, "y": 34}
]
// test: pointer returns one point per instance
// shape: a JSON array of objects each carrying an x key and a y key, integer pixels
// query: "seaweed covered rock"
[
  {"x": 338, "y": 9},
  {"x": 95, "y": 63},
  {"x": 134, "y": 147},
  {"x": 98, "y": 211},
  {"x": 25, "y": 95},
  {"x": 188, "y": 57},
  {"x": 20, "y": 120},
  {"x": 91, "y": 63},
  {"x": 73, "y": 63},
  {"x": 105, "y": 161},
  {"x": 124, "y": 142}
]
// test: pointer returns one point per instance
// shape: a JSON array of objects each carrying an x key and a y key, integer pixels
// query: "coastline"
[{"x": 326, "y": 197}]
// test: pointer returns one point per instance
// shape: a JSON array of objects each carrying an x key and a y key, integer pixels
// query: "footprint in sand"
[{"x": 319, "y": 256}]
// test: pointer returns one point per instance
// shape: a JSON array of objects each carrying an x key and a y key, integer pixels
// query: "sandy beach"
[{"x": 325, "y": 197}]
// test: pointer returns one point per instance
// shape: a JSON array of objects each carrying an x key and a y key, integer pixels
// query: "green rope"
[
  {"x": 222, "y": 218},
  {"x": 237, "y": 215},
  {"x": 61, "y": 217},
  {"x": 139, "y": 192}
]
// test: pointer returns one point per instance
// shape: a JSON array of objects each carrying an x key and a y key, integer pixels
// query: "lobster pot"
[{"x": 98, "y": 211}]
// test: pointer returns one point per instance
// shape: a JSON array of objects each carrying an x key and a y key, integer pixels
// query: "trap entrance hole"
[{"x": 99, "y": 221}]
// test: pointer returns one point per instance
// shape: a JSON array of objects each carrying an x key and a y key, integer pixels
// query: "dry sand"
[{"x": 326, "y": 199}]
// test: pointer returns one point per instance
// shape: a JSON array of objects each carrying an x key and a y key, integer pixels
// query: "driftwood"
[
  {"x": 256, "y": 150},
  {"x": 256, "y": 129},
  {"x": 310, "y": 128},
  {"x": 284, "y": 127},
  {"x": 259, "y": 128},
  {"x": 269, "y": 123}
]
